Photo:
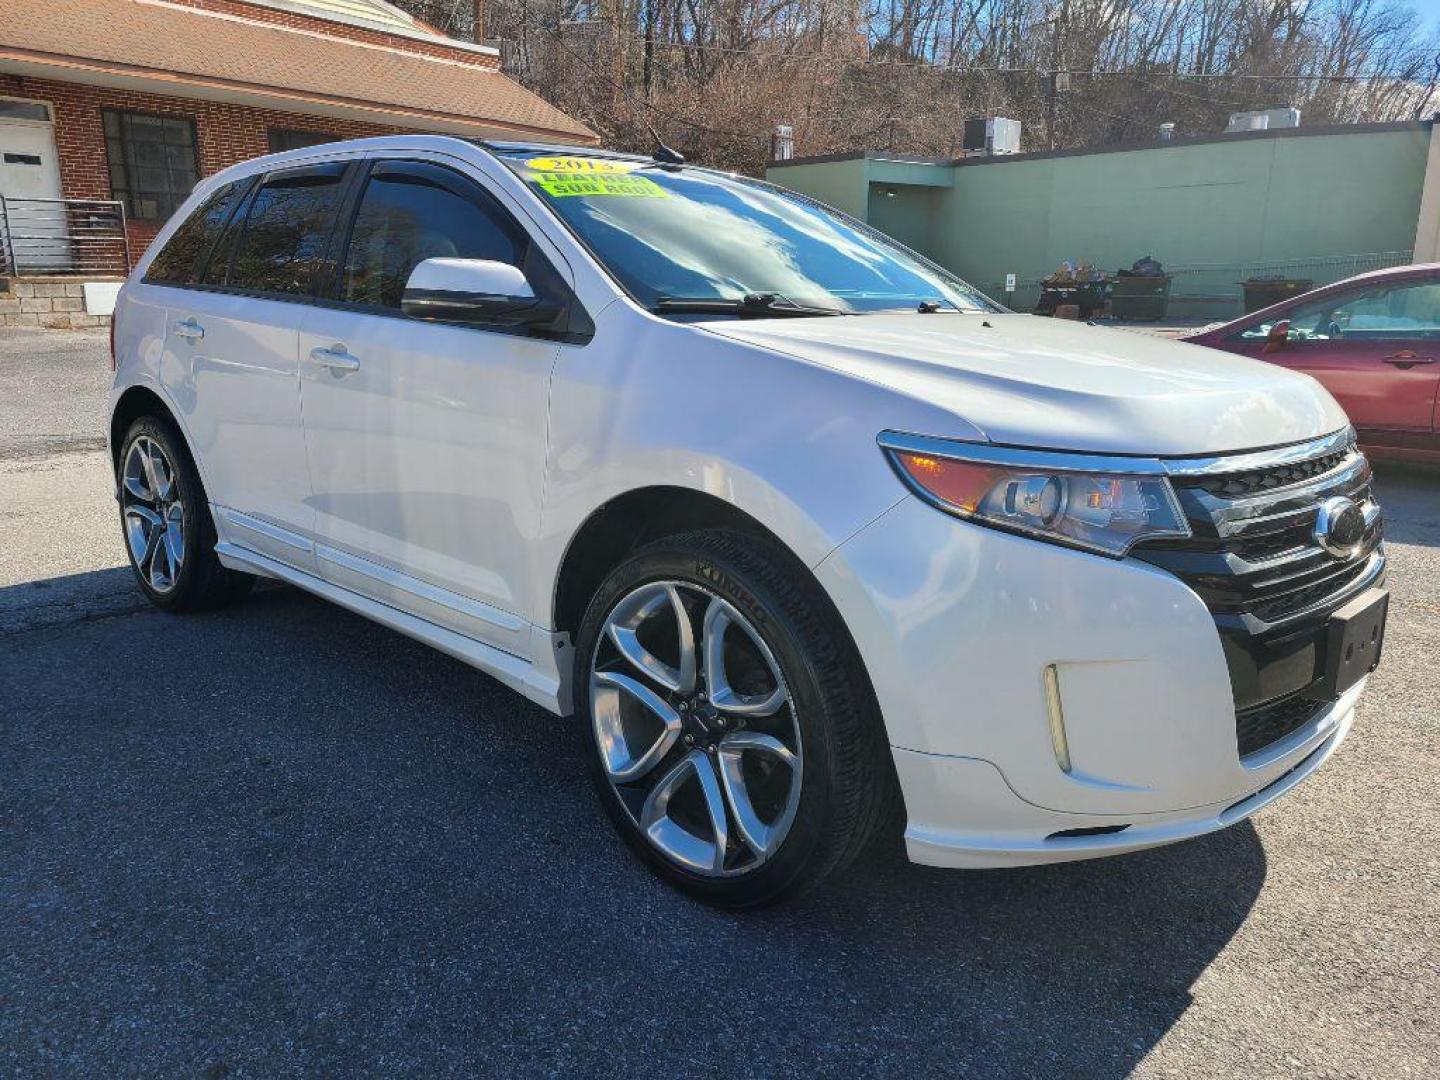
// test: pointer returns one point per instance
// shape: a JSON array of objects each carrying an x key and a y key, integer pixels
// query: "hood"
[{"x": 1051, "y": 383}]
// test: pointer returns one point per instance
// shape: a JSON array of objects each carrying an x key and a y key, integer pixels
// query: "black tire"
[
  {"x": 848, "y": 790},
  {"x": 202, "y": 583}
]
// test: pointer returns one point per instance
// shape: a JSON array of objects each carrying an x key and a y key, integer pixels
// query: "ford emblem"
[{"x": 1340, "y": 526}]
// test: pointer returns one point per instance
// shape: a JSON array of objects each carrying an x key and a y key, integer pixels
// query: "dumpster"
[
  {"x": 1262, "y": 292},
  {"x": 1141, "y": 297}
]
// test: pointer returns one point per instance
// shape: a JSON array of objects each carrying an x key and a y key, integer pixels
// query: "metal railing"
[
  {"x": 63, "y": 236},
  {"x": 1214, "y": 290}
]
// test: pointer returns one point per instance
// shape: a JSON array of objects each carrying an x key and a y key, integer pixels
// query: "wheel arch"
[
  {"x": 135, "y": 402},
  {"x": 642, "y": 515},
  {"x": 621, "y": 524}
]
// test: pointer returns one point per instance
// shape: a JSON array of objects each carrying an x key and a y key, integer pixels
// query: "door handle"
[
  {"x": 1406, "y": 359},
  {"x": 190, "y": 330},
  {"x": 336, "y": 359}
]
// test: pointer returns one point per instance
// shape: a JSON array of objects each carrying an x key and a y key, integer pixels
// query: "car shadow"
[{"x": 282, "y": 838}]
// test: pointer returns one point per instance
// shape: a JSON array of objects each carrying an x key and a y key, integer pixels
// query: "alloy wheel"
[
  {"x": 153, "y": 514},
  {"x": 696, "y": 728}
]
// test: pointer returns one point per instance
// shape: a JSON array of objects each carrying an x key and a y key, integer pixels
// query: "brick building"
[{"x": 111, "y": 110}]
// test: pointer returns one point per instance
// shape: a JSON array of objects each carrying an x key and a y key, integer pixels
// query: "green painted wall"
[
  {"x": 842, "y": 184},
  {"x": 1306, "y": 200}
]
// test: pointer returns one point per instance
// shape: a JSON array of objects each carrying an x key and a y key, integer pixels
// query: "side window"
[
  {"x": 411, "y": 211},
  {"x": 286, "y": 233},
  {"x": 1406, "y": 311},
  {"x": 188, "y": 245}
]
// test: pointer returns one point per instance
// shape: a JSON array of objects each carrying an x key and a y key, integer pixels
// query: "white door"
[
  {"x": 235, "y": 339},
  {"x": 426, "y": 441},
  {"x": 30, "y": 169}
]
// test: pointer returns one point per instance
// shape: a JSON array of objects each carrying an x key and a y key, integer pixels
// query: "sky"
[{"x": 1429, "y": 11}]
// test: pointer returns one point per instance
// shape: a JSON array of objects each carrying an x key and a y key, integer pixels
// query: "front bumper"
[
  {"x": 962, "y": 813},
  {"x": 958, "y": 624}
]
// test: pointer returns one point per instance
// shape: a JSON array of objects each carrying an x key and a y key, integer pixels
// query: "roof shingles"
[{"x": 139, "y": 36}]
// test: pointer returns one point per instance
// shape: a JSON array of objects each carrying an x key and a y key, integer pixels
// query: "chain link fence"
[{"x": 1201, "y": 291}]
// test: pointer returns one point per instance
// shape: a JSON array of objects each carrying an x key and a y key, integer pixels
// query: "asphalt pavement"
[{"x": 280, "y": 840}]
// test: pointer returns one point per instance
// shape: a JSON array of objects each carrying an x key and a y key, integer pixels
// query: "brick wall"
[{"x": 225, "y": 134}]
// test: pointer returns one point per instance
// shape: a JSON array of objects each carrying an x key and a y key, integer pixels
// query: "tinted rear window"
[
  {"x": 182, "y": 255},
  {"x": 287, "y": 231}
]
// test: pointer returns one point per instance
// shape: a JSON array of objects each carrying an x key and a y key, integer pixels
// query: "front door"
[
  {"x": 1375, "y": 347},
  {"x": 426, "y": 441},
  {"x": 34, "y": 236}
]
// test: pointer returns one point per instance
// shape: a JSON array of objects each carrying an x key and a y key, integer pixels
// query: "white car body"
[{"x": 439, "y": 488}]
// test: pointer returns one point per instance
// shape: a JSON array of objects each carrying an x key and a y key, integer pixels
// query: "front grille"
[
  {"x": 1258, "y": 728},
  {"x": 1270, "y": 587},
  {"x": 1232, "y": 485}
]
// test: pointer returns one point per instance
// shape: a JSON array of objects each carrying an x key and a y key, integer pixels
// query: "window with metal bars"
[{"x": 153, "y": 164}]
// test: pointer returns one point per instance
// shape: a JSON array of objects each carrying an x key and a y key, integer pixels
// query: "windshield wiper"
[{"x": 751, "y": 305}]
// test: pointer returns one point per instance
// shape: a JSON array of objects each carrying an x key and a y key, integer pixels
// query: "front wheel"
[{"x": 731, "y": 733}]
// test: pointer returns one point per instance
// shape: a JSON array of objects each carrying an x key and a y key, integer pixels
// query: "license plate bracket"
[{"x": 1354, "y": 638}]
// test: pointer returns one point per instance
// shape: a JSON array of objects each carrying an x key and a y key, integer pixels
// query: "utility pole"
[
  {"x": 649, "y": 46},
  {"x": 1054, "y": 93},
  {"x": 479, "y": 21},
  {"x": 1053, "y": 96}
]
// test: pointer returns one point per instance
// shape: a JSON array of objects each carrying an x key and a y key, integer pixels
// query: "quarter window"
[
  {"x": 188, "y": 246},
  {"x": 286, "y": 231},
  {"x": 152, "y": 162},
  {"x": 411, "y": 212}
]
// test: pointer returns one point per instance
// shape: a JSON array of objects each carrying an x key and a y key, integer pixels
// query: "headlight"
[{"x": 1099, "y": 503}]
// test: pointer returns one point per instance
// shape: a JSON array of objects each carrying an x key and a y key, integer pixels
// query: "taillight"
[{"x": 112, "y": 343}]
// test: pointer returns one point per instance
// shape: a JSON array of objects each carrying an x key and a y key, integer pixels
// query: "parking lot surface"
[{"x": 280, "y": 840}]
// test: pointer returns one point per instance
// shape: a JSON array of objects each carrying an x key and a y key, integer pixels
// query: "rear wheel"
[
  {"x": 165, "y": 517},
  {"x": 731, "y": 733}
]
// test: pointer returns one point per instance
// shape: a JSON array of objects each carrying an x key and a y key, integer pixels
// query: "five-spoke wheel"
[
  {"x": 153, "y": 513},
  {"x": 696, "y": 727},
  {"x": 165, "y": 519}
]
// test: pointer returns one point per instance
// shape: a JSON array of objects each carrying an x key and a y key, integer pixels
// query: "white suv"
[{"x": 803, "y": 528}]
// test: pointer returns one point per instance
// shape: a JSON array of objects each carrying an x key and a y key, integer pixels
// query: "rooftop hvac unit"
[
  {"x": 991, "y": 136},
  {"x": 1263, "y": 120},
  {"x": 1247, "y": 121}
]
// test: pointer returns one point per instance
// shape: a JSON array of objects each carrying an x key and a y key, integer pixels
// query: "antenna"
[{"x": 665, "y": 155}]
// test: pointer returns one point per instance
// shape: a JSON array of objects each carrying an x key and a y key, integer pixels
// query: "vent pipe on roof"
[{"x": 782, "y": 143}]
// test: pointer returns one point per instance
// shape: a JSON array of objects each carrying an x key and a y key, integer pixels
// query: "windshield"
[{"x": 672, "y": 235}]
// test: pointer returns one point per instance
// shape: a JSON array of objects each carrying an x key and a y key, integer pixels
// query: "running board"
[{"x": 518, "y": 674}]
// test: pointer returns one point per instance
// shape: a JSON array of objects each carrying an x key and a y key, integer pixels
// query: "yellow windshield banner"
[
  {"x": 559, "y": 185},
  {"x": 580, "y": 166}
]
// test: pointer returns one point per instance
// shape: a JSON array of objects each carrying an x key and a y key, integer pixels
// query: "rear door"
[
  {"x": 1375, "y": 347},
  {"x": 426, "y": 441},
  {"x": 236, "y": 334}
]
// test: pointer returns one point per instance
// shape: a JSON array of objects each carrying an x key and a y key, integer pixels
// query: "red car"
[{"x": 1372, "y": 340}]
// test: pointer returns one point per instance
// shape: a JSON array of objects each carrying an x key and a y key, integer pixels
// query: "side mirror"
[
  {"x": 1277, "y": 337},
  {"x": 474, "y": 291}
]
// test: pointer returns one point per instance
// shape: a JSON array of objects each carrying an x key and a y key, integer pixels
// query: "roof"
[
  {"x": 371, "y": 12},
  {"x": 184, "y": 51},
  {"x": 1115, "y": 148}
]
